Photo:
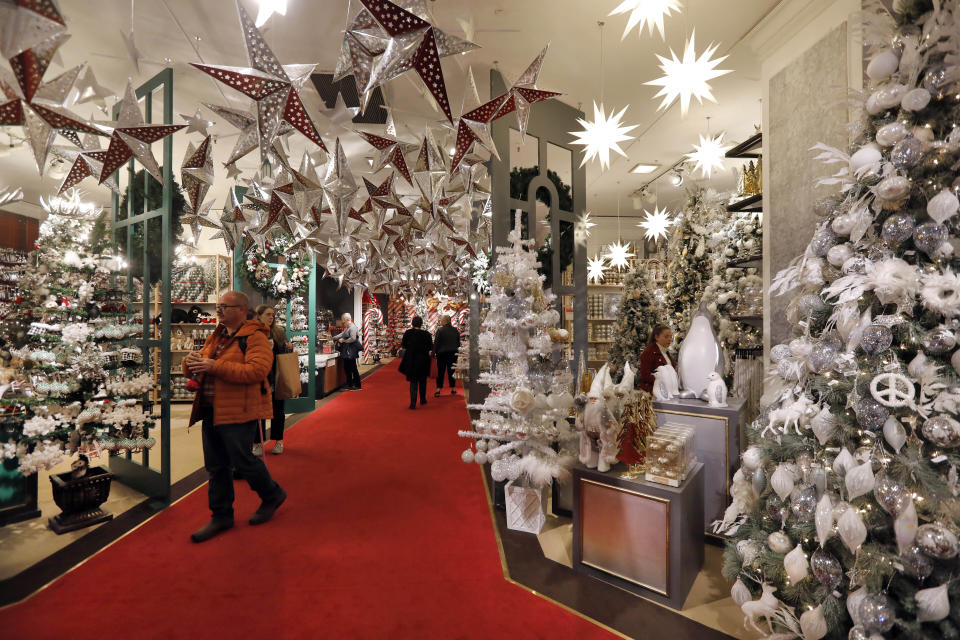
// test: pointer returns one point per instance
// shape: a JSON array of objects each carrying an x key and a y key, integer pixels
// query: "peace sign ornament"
[{"x": 892, "y": 389}]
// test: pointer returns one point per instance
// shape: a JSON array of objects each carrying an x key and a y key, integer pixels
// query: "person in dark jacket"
[
  {"x": 655, "y": 356},
  {"x": 445, "y": 345},
  {"x": 267, "y": 316},
  {"x": 350, "y": 348},
  {"x": 415, "y": 365}
]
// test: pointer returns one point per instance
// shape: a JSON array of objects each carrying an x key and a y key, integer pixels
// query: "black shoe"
[
  {"x": 413, "y": 406},
  {"x": 423, "y": 401},
  {"x": 437, "y": 394},
  {"x": 266, "y": 509},
  {"x": 211, "y": 529},
  {"x": 453, "y": 392}
]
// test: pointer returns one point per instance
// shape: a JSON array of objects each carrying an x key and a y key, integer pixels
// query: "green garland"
[{"x": 258, "y": 272}]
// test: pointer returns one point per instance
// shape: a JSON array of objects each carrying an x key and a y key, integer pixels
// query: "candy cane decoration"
[
  {"x": 371, "y": 318},
  {"x": 463, "y": 318},
  {"x": 433, "y": 318}
]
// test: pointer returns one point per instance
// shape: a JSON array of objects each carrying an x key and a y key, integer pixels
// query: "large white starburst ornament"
[
  {"x": 581, "y": 231},
  {"x": 688, "y": 78},
  {"x": 603, "y": 135},
  {"x": 595, "y": 268},
  {"x": 646, "y": 12},
  {"x": 708, "y": 155},
  {"x": 655, "y": 224},
  {"x": 268, "y": 8},
  {"x": 617, "y": 253}
]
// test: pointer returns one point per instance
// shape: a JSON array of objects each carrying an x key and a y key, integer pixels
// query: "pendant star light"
[
  {"x": 581, "y": 232},
  {"x": 688, "y": 78},
  {"x": 273, "y": 86},
  {"x": 646, "y": 12},
  {"x": 605, "y": 133},
  {"x": 709, "y": 154},
  {"x": 618, "y": 252},
  {"x": 268, "y": 8},
  {"x": 656, "y": 224},
  {"x": 595, "y": 268}
]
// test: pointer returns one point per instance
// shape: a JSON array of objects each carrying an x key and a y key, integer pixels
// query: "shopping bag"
[{"x": 288, "y": 377}]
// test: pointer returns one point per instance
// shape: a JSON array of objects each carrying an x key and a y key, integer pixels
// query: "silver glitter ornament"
[
  {"x": 907, "y": 153},
  {"x": 929, "y": 236},
  {"x": 809, "y": 304},
  {"x": 856, "y": 264},
  {"x": 822, "y": 241},
  {"x": 937, "y": 541},
  {"x": 941, "y": 430},
  {"x": 938, "y": 342},
  {"x": 877, "y": 614},
  {"x": 871, "y": 414},
  {"x": 936, "y": 81},
  {"x": 776, "y": 508},
  {"x": 892, "y": 496},
  {"x": 779, "y": 352},
  {"x": 826, "y": 568},
  {"x": 897, "y": 229},
  {"x": 822, "y": 356},
  {"x": 803, "y": 502},
  {"x": 875, "y": 339},
  {"x": 916, "y": 563}
]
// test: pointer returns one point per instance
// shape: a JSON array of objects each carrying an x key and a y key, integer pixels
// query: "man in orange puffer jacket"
[{"x": 232, "y": 395}]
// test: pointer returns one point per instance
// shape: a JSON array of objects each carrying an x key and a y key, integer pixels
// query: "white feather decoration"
[
  {"x": 933, "y": 604},
  {"x": 905, "y": 527},
  {"x": 795, "y": 564},
  {"x": 859, "y": 480},
  {"x": 851, "y": 529},
  {"x": 782, "y": 482},
  {"x": 824, "y": 519},
  {"x": 813, "y": 624}
]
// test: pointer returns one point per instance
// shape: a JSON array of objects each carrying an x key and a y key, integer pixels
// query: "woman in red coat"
[{"x": 655, "y": 356}]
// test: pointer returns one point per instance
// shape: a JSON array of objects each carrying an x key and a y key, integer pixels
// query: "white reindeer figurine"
[
  {"x": 789, "y": 414},
  {"x": 766, "y": 606}
]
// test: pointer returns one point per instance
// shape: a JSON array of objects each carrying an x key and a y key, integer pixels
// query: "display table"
[
  {"x": 717, "y": 442},
  {"x": 640, "y": 536},
  {"x": 333, "y": 375}
]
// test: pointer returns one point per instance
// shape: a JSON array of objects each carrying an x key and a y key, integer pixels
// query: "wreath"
[{"x": 286, "y": 281}]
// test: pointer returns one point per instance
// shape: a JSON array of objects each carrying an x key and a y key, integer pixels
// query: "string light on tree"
[
  {"x": 595, "y": 268},
  {"x": 709, "y": 154},
  {"x": 646, "y": 12},
  {"x": 656, "y": 224},
  {"x": 688, "y": 78}
]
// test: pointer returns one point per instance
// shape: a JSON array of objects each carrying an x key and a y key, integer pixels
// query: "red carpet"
[{"x": 385, "y": 534}]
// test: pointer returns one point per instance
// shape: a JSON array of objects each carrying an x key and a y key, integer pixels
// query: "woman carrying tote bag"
[{"x": 278, "y": 339}]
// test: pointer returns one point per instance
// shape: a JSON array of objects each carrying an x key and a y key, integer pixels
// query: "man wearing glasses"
[{"x": 233, "y": 395}]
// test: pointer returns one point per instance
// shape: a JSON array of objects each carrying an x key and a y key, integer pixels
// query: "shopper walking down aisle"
[
  {"x": 445, "y": 345},
  {"x": 350, "y": 348},
  {"x": 267, "y": 316},
  {"x": 415, "y": 365},
  {"x": 233, "y": 395}
]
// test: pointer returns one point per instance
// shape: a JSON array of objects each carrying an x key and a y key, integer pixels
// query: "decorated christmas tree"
[
  {"x": 847, "y": 499},
  {"x": 71, "y": 375},
  {"x": 526, "y": 411},
  {"x": 639, "y": 312}
]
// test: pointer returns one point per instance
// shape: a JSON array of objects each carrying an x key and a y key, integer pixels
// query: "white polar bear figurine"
[
  {"x": 716, "y": 390},
  {"x": 666, "y": 384}
]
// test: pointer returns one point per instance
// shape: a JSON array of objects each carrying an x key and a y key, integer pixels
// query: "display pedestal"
[
  {"x": 643, "y": 537},
  {"x": 19, "y": 495},
  {"x": 716, "y": 444}
]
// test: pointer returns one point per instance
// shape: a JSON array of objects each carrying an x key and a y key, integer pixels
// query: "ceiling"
[{"x": 510, "y": 33}]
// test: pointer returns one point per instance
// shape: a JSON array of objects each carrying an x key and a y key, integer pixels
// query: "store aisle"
[{"x": 385, "y": 534}]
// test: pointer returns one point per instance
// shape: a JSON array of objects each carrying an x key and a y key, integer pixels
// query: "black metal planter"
[{"x": 80, "y": 499}]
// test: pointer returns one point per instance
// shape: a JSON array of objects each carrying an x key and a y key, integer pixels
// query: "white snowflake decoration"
[
  {"x": 595, "y": 268},
  {"x": 603, "y": 135},
  {"x": 688, "y": 78},
  {"x": 709, "y": 154},
  {"x": 480, "y": 266},
  {"x": 618, "y": 253},
  {"x": 655, "y": 224},
  {"x": 646, "y": 12}
]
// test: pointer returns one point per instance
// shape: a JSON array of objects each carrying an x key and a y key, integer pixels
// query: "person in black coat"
[
  {"x": 415, "y": 364},
  {"x": 445, "y": 345}
]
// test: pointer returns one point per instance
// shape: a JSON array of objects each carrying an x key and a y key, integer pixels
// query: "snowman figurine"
[{"x": 716, "y": 390}]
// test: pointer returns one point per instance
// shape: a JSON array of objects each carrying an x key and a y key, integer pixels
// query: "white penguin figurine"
[
  {"x": 700, "y": 353},
  {"x": 666, "y": 385},
  {"x": 716, "y": 390}
]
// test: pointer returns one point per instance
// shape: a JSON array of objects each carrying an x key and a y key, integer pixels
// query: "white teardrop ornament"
[
  {"x": 894, "y": 433},
  {"x": 812, "y": 624},
  {"x": 795, "y": 564},
  {"x": 823, "y": 518},
  {"x": 782, "y": 482},
  {"x": 932, "y": 604},
  {"x": 851, "y": 529},
  {"x": 859, "y": 480},
  {"x": 905, "y": 528}
]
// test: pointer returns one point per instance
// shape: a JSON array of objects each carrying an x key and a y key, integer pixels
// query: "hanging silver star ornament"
[
  {"x": 233, "y": 222},
  {"x": 196, "y": 123},
  {"x": 341, "y": 116},
  {"x": 273, "y": 86},
  {"x": 82, "y": 164},
  {"x": 131, "y": 46},
  {"x": 430, "y": 170},
  {"x": 233, "y": 171},
  {"x": 89, "y": 90},
  {"x": 391, "y": 150},
  {"x": 339, "y": 187},
  {"x": 196, "y": 172},
  {"x": 198, "y": 220},
  {"x": 25, "y": 24}
]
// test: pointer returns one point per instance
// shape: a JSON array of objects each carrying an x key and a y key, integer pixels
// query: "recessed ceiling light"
[{"x": 644, "y": 168}]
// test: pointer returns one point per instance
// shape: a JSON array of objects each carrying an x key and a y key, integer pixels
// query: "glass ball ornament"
[
  {"x": 937, "y": 342},
  {"x": 871, "y": 414},
  {"x": 929, "y": 236},
  {"x": 937, "y": 541},
  {"x": 915, "y": 99},
  {"x": 822, "y": 241},
  {"x": 822, "y": 356},
  {"x": 876, "y": 338},
  {"x": 803, "y": 502},
  {"x": 776, "y": 508},
  {"x": 826, "y": 568},
  {"x": 877, "y": 613},
  {"x": 779, "y": 542},
  {"x": 856, "y": 264},
  {"x": 883, "y": 65},
  {"x": 844, "y": 223},
  {"x": 893, "y": 188},
  {"x": 809, "y": 304},
  {"x": 892, "y": 133},
  {"x": 838, "y": 254},
  {"x": 936, "y": 80},
  {"x": 916, "y": 563},
  {"x": 892, "y": 496},
  {"x": 857, "y": 632},
  {"x": 943, "y": 431},
  {"x": 890, "y": 97},
  {"x": 897, "y": 228},
  {"x": 907, "y": 153}
]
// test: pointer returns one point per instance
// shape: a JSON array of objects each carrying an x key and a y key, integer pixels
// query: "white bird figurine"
[{"x": 716, "y": 390}]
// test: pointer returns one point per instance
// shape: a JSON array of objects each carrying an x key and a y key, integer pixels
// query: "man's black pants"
[
  {"x": 421, "y": 385},
  {"x": 446, "y": 361},
  {"x": 353, "y": 374}
]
